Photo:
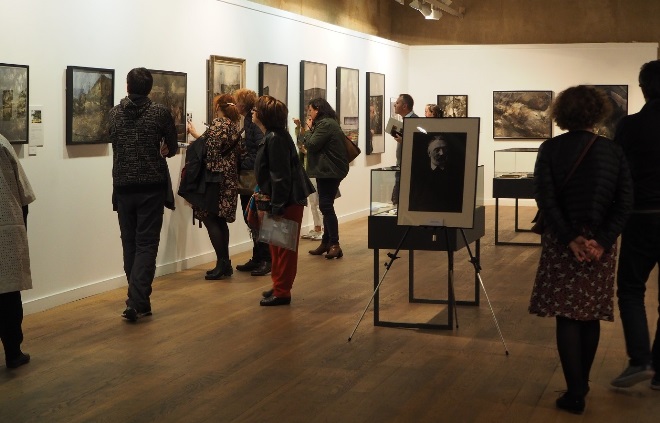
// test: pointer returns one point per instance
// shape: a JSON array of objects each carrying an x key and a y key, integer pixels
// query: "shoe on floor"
[
  {"x": 18, "y": 361},
  {"x": 655, "y": 382},
  {"x": 132, "y": 314},
  {"x": 312, "y": 234},
  {"x": 571, "y": 403},
  {"x": 267, "y": 294},
  {"x": 262, "y": 270},
  {"x": 275, "y": 301},
  {"x": 632, "y": 375},
  {"x": 248, "y": 267},
  {"x": 317, "y": 237}
]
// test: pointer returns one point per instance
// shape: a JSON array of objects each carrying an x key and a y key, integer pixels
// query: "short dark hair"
[
  {"x": 272, "y": 113},
  {"x": 323, "y": 108},
  {"x": 139, "y": 81},
  {"x": 408, "y": 100},
  {"x": 649, "y": 79},
  {"x": 580, "y": 107}
]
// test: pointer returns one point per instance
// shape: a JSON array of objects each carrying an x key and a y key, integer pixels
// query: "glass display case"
[
  {"x": 515, "y": 163},
  {"x": 382, "y": 187}
]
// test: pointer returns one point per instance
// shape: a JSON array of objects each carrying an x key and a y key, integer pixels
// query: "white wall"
[
  {"x": 74, "y": 237},
  {"x": 479, "y": 70}
]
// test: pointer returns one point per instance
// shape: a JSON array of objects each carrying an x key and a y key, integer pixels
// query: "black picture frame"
[
  {"x": 522, "y": 114},
  {"x": 618, "y": 96},
  {"x": 90, "y": 94},
  {"x": 375, "y": 109},
  {"x": 439, "y": 193},
  {"x": 348, "y": 102},
  {"x": 170, "y": 89},
  {"x": 224, "y": 76},
  {"x": 313, "y": 83},
  {"x": 453, "y": 106},
  {"x": 15, "y": 96},
  {"x": 274, "y": 81}
]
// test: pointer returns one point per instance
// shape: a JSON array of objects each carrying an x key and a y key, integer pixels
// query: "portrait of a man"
[{"x": 437, "y": 172}]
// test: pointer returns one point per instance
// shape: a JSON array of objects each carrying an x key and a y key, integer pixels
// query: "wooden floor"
[{"x": 210, "y": 353}]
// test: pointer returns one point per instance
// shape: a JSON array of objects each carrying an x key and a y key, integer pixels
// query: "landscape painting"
[
  {"x": 14, "y": 89},
  {"x": 522, "y": 114},
  {"x": 170, "y": 89},
  {"x": 89, "y": 98}
]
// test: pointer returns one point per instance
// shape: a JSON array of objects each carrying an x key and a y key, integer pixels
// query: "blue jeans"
[
  {"x": 640, "y": 251},
  {"x": 140, "y": 217},
  {"x": 327, "y": 189}
]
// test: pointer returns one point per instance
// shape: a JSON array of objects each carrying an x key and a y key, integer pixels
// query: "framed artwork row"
[
  {"x": 90, "y": 94},
  {"x": 14, "y": 89}
]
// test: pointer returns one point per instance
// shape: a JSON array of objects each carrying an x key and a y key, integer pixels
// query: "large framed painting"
[
  {"x": 375, "y": 110},
  {"x": 618, "y": 96},
  {"x": 170, "y": 89},
  {"x": 90, "y": 94},
  {"x": 439, "y": 172},
  {"x": 348, "y": 97},
  {"x": 225, "y": 75},
  {"x": 522, "y": 114},
  {"x": 274, "y": 81},
  {"x": 313, "y": 83},
  {"x": 453, "y": 105},
  {"x": 14, "y": 88}
]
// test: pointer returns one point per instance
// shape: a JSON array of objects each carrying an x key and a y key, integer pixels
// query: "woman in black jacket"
[
  {"x": 583, "y": 215},
  {"x": 284, "y": 185}
]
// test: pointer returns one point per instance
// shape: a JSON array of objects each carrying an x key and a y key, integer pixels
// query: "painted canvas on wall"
[
  {"x": 375, "y": 108},
  {"x": 14, "y": 92},
  {"x": 89, "y": 97},
  {"x": 170, "y": 90},
  {"x": 313, "y": 83},
  {"x": 348, "y": 94},
  {"x": 618, "y": 96},
  {"x": 522, "y": 114},
  {"x": 225, "y": 75},
  {"x": 274, "y": 81},
  {"x": 453, "y": 105}
]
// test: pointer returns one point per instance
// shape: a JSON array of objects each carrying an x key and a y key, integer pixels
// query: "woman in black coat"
[{"x": 583, "y": 215}]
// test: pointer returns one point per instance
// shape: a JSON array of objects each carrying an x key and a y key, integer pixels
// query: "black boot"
[{"x": 222, "y": 271}]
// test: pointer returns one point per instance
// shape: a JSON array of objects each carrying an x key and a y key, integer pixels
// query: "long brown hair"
[{"x": 225, "y": 102}]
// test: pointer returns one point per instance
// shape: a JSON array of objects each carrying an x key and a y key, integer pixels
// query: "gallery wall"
[
  {"x": 479, "y": 70},
  {"x": 74, "y": 237}
]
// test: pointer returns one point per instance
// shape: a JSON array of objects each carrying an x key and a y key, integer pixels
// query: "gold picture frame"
[{"x": 225, "y": 75}]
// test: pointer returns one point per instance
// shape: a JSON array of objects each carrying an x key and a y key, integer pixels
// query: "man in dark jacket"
[
  {"x": 639, "y": 135},
  {"x": 142, "y": 134}
]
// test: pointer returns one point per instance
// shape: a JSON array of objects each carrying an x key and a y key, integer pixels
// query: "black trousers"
[
  {"x": 11, "y": 319},
  {"x": 327, "y": 189},
  {"x": 640, "y": 251},
  {"x": 140, "y": 220},
  {"x": 260, "y": 250}
]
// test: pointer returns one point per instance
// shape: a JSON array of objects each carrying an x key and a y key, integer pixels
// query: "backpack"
[{"x": 199, "y": 186}]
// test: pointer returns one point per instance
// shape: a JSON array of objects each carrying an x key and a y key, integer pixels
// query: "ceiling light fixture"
[
  {"x": 435, "y": 15},
  {"x": 415, "y": 5},
  {"x": 426, "y": 9},
  {"x": 433, "y": 9}
]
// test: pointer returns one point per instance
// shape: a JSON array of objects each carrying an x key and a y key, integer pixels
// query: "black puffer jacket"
[
  {"x": 136, "y": 127},
  {"x": 598, "y": 195},
  {"x": 252, "y": 138}
]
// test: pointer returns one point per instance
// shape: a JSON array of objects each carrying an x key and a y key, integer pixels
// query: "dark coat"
[
  {"x": 639, "y": 136},
  {"x": 598, "y": 195},
  {"x": 326, "y": 152},
  {"x": 251, "y": 141}
]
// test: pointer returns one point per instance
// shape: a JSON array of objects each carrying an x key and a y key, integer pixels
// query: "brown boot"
[
  {"x": 334, "y": 252},
  {"x": 323, "y": 248}
]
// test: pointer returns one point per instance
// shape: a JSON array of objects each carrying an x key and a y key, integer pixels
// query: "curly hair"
[
  {"x": 245, "y": 97},
  {"x": 580, "y": 107},
  {"x": 225, "y": 102},
  {"x": 272, "y": 113}
]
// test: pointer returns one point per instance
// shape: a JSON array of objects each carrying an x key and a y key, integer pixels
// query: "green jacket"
[{"x": 326, "y": 152}]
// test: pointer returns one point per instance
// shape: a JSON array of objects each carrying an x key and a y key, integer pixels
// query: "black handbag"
[{"x": 539, "y": 221}]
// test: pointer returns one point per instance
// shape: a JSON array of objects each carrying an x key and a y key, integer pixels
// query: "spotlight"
[
  {"x": 435, "y": 15},
  {"x": 415, "y": 4},
  {"x": 425, "y": 9}
]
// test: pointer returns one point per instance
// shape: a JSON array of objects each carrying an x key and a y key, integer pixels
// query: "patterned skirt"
[{"x": 568, "y": 288}]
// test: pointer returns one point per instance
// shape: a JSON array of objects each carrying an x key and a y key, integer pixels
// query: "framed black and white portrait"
[
  {"x": 90, "y": 94},
  {"x": 375, "y": 110},
  {"x": 14, "y": 89},
  {"x": 348, "y": 95},
  {"x": 439, "y": 172},
  {"x": 313, "y": 83},
  {"x": 274, "y": 81},
  {"x": 522, "y": 114}
]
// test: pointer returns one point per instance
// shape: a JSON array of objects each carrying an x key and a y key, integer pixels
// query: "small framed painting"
[
  {"x": 453, "y": 105},
  {"x": 313, "y": 83},
  {"x": 348, "y": 95},
  {"x": 14, "y": 88},
  {"x": 225, "y": 75},
  {"x": 90, "y": 94},
  {"x": 274, "y": 81},
  {"x": 375, "y": 110},
  {"x": 170, "y": 89},
  {"x": 522, "y": 114}
]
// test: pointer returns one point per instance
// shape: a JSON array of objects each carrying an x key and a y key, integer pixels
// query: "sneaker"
[
  {"x": 248, "y": 267},
  {"x": 132, "y": 314},
  {"x": 309, "y": 235},
  {"x": 655, "y": 382},
  {"x": 632, "y": 375}
]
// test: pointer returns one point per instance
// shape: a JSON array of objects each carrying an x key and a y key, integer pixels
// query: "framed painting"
[
  {"x": 313, "y": 83},
  {"x": 375, "y": 110},
  {"x": 225, "y": 75},
  {"x": 348, "y": 96},
  {"x": 90, "y": 94},
  {"x": 522, "y": 114},
  {"x": 170, "y": 89},
  {"x": 453, "y": 105},
  {"x": 14, "y": 88},
  {"x": 439, "y": 172},
  {"x": 618, "y": 96},
  {"x": 274, "y": 81}
]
